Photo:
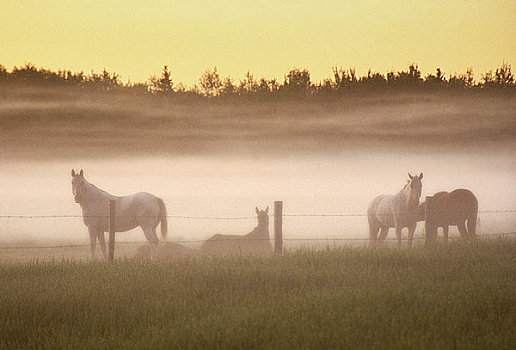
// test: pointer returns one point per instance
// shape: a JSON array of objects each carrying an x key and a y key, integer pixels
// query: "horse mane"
[
  {"x": 98, "y": 190},
  {"x": 403, "y": 193}
]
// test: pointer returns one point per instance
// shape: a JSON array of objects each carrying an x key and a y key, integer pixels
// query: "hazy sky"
[{"x": 267, "y": 38}]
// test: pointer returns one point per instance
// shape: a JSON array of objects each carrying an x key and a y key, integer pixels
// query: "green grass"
[{"x": 458, "y": 296}]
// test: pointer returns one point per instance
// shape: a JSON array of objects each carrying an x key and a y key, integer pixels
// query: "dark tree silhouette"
[
  {"x": 248, "y": 85},
  {"x": 461, "y": 81},
  {"x": 436, "y": 81},
  {"x": 405, "y": 80},
  {"x": 297, "y": 82},
  {"x": 504, "y": 76},
  {"x": 164, "y": 83},
  {"x": 210, "y": 83},
  {"x": 3, "y": 73},
  {"x": 228, "y": 87},
  {"x": 373, "y": 81}
]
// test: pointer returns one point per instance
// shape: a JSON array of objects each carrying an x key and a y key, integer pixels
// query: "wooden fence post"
[
  {"x": 278, "y": 227},
  {"x": 430, "y": 231},
  {"x": 112, "y": 219}
]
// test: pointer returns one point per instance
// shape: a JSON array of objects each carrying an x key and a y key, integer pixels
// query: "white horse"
[
  {"x": 139, "y": 209},
  {"x": 398, "y": 211},
  {"x": 255, "y": 242}
]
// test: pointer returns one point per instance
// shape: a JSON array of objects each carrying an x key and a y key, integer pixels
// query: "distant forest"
[{"x": 296, "y": 83}]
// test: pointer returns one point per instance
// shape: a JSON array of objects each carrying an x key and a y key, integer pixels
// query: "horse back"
[
  {"x": 236, "y": 244},
  {"x": 141, "y": 203},
  {"x": 381, "y": 210},
  {"x": 464, "y": 204},
  {"x": 452, "y": 208}
]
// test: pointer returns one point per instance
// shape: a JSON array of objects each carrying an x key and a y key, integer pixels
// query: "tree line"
[{"x": 296, "y": 83}]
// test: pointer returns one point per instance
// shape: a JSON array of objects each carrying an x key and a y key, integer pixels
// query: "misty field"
[
  {"x": 219, "y": 158},
  {"x": 457, "y": 296}
]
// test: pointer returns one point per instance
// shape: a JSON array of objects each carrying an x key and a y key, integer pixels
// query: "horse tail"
[
  {"x": 163, "y": 219},
  {"x": 472, "y": 218},
  {"x": 374, "y": 225}
]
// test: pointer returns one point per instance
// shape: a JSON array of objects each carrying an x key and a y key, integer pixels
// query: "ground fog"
[{"x": 221, "y": 160}]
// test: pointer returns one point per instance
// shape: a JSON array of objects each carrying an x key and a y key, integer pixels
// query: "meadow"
[
  {"x": 224, "y": 158},
  {"x": 460, "y": 296}
]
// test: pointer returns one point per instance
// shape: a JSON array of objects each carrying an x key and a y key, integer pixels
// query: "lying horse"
[
  {"x": 139, "y": 209},
  {"x": 255, "y": 242},
  {"x": 451, "y": 208},
  {"x": 398, "y": 211}
]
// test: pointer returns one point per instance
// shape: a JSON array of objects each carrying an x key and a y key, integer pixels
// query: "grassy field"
[{"x": 459, "y": 296}]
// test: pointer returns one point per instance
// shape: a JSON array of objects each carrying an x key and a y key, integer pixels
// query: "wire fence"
[
  {"x": 62, "y": 216},
  {"x": 198, "y": 241}
]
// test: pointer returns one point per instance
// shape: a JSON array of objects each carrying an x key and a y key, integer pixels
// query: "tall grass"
[{"x": 458, "y": 296}]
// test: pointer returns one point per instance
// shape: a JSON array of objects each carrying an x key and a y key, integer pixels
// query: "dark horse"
[{"x": 459, "y": 207}]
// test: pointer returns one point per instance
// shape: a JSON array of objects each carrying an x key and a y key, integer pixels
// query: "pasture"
[{"x": 459, "y": 296}]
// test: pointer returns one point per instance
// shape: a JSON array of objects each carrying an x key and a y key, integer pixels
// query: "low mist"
[
  {"x": 221, "y": 160},
  {"x": 231, "y": 187}
]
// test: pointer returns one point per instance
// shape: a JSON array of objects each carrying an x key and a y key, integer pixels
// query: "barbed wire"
[
  {"x": 63, "y": 216},
  {"x": 307, "y": 239},
  {"x": 311, "y": 239}
]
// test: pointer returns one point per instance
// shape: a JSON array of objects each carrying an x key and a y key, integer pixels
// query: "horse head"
[
  {"x": 263, "y": 217},
  {"x": 78, "y": 185},
  {"x": 414, "y": 188}
]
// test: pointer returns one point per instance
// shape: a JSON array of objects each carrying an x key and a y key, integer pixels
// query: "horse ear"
[
  {"x": 73, "y": 173},
  {"x": 410, "y": 176},
  {"x": 421, "y": 176},
  {"x": 257, "y": 211},
  {"x": 267, "y": 210},
  {"x": 81, "y": 173}
]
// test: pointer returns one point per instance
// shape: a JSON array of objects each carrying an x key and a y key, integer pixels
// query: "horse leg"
[
  {"x": 472, "y": 226},
  {"x": 102, "y": 242},
  {"x": 398, "y": 235},
  {"x": 411, "y": 230},
  {"x": 462, "y": 230},
  {"x": 93, "y": 242},
  {"x": 383, "y": 233},
  {"x": 373, "y": 234},
  {"x": 445, "y": 233},
  {"x": 430, "y": 233},
  {"x": 150, "y": 234}
]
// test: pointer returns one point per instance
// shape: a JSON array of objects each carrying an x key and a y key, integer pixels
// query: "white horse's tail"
[{"x": 163, "y": 219}]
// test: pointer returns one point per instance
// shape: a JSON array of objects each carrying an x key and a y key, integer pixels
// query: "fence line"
[
  {"x": 63, "y": 216},
  {"x": 278, "y": 239},
  {"x": 79, "y": 245}
]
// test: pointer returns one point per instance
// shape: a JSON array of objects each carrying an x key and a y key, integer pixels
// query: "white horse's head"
[
  {"x": 414, "y": 187},
  {"x": 78, "y": 185},
  {"x": 263, "y": 217}
]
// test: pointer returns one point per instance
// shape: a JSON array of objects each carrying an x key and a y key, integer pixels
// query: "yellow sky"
[{"x": 266, "y": 37}]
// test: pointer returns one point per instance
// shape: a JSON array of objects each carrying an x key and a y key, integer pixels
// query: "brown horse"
[
  {"x": 451, "y": 208},
  {"x": 255, "y": 242}
]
